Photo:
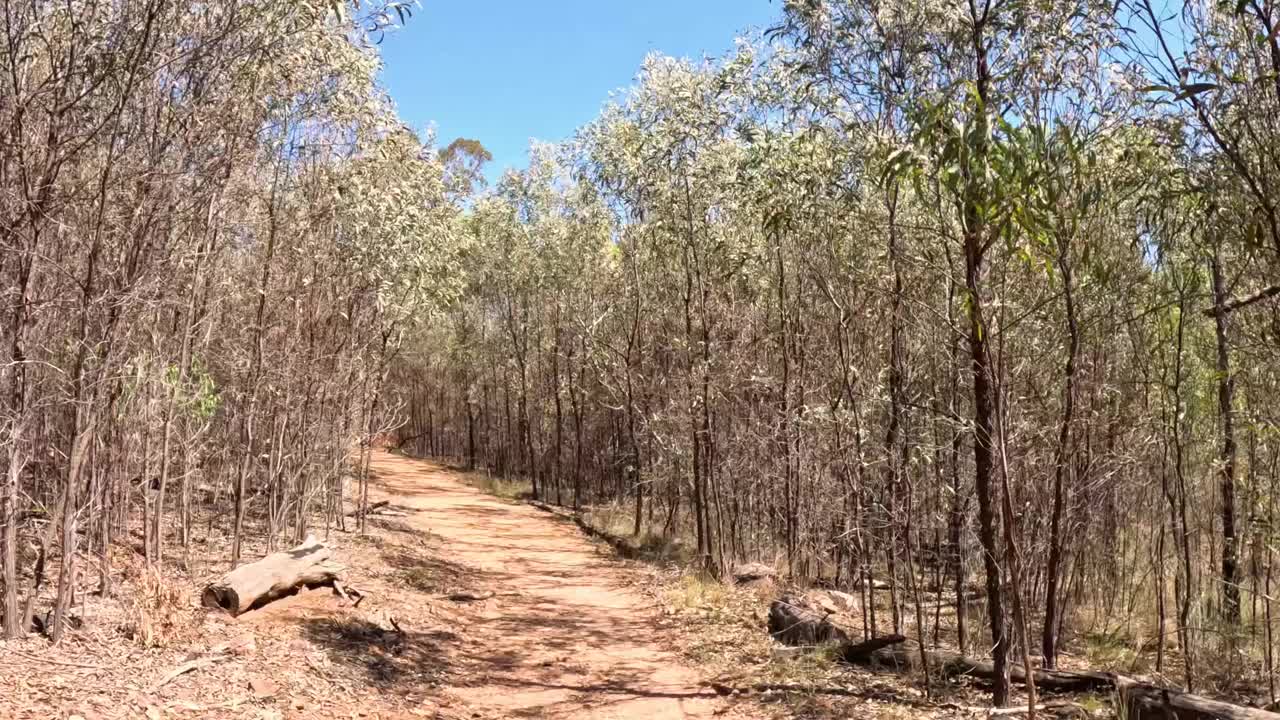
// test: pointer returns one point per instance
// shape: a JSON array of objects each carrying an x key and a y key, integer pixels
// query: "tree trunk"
[
  {"x": 1227, "y": 455},
  {"x": 984, "y": 392},
  {"x": 1062, "y": 465}
]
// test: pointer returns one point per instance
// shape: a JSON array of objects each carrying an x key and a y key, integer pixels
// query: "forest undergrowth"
[{"x": 150, "y": 650}]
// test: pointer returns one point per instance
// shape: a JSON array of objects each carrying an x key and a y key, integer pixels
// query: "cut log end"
[{"x": 220, "y": 597}]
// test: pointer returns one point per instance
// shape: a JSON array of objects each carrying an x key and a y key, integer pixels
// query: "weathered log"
[
  {"x": 792, "y": 621},
  {"x": 275, "y": 576},
  {"x": 1140, "y": 701},
  {"x": 799, "y": 621}
]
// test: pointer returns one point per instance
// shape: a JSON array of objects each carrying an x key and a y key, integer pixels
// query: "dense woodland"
[{"x": 975, "y": 299}]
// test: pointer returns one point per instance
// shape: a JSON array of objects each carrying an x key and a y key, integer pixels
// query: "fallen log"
[
  {"x": 1140, "y": 701},
  {"x": 1136, "y": 700},
  {"x": 800, "y": 620},
  {"x": 952, "y": 665},
  {"x": 792, "y": 621},
  {"x": 875, "y": 692},
  {"x": 184, "y": 668},
  {"x": 372, "y": 509},
  {"x": 795, "y": 621},
  {"x": 275, "y": 576},
  {"x": 860, "y": 653}
]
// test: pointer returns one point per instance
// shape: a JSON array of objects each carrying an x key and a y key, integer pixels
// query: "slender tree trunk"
[
  {"x": 984, "y": 392},
  {"x": 1062, "y": 463},
  {"x": 1227, "y": 454}
]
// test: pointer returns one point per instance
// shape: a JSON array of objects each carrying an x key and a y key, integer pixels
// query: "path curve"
[{"x": 564, "y": 638}]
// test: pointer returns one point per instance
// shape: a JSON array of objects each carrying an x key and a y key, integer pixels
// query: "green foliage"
[{"x": 197, "y": 394}]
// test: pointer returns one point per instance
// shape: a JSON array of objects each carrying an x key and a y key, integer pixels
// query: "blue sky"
[{"x": 505, "y": 71}]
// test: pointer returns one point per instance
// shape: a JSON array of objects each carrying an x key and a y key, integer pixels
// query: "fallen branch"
[
  {"x": 406, "y": 440},
  {"x": 373, "y": 507},
  {"x": 861, "y": 652},
  {"x": 872, "y": 693},
  {"x": 953, "y": 665},
  {"x": 1058, "y": 709},
  {"x": 348, "y": 593},
  {"x": 1238, "y": 303},
  {"x": 185, "y": 668},
  {"x": 470, "y": 596}
]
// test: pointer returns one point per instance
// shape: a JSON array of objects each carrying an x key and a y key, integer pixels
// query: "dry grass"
[
  {"x": 157, "y": 610},
  {"x": 618, "y": 521},
  {"x": 505, "y": 488},
  {"x": 726, "y": 631}
]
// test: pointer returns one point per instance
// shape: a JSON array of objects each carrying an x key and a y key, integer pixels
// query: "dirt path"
[{"x": 563, "y": 638}]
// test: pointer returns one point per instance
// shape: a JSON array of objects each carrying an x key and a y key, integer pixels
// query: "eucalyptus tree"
[
  {"x": 396, "y": 230},
  {"x": 960, "y": 82},
  {"x": 668, "y": 155}
]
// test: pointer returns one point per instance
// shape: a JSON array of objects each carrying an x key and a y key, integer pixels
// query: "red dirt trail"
[{"x": 564, "y": 637}]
